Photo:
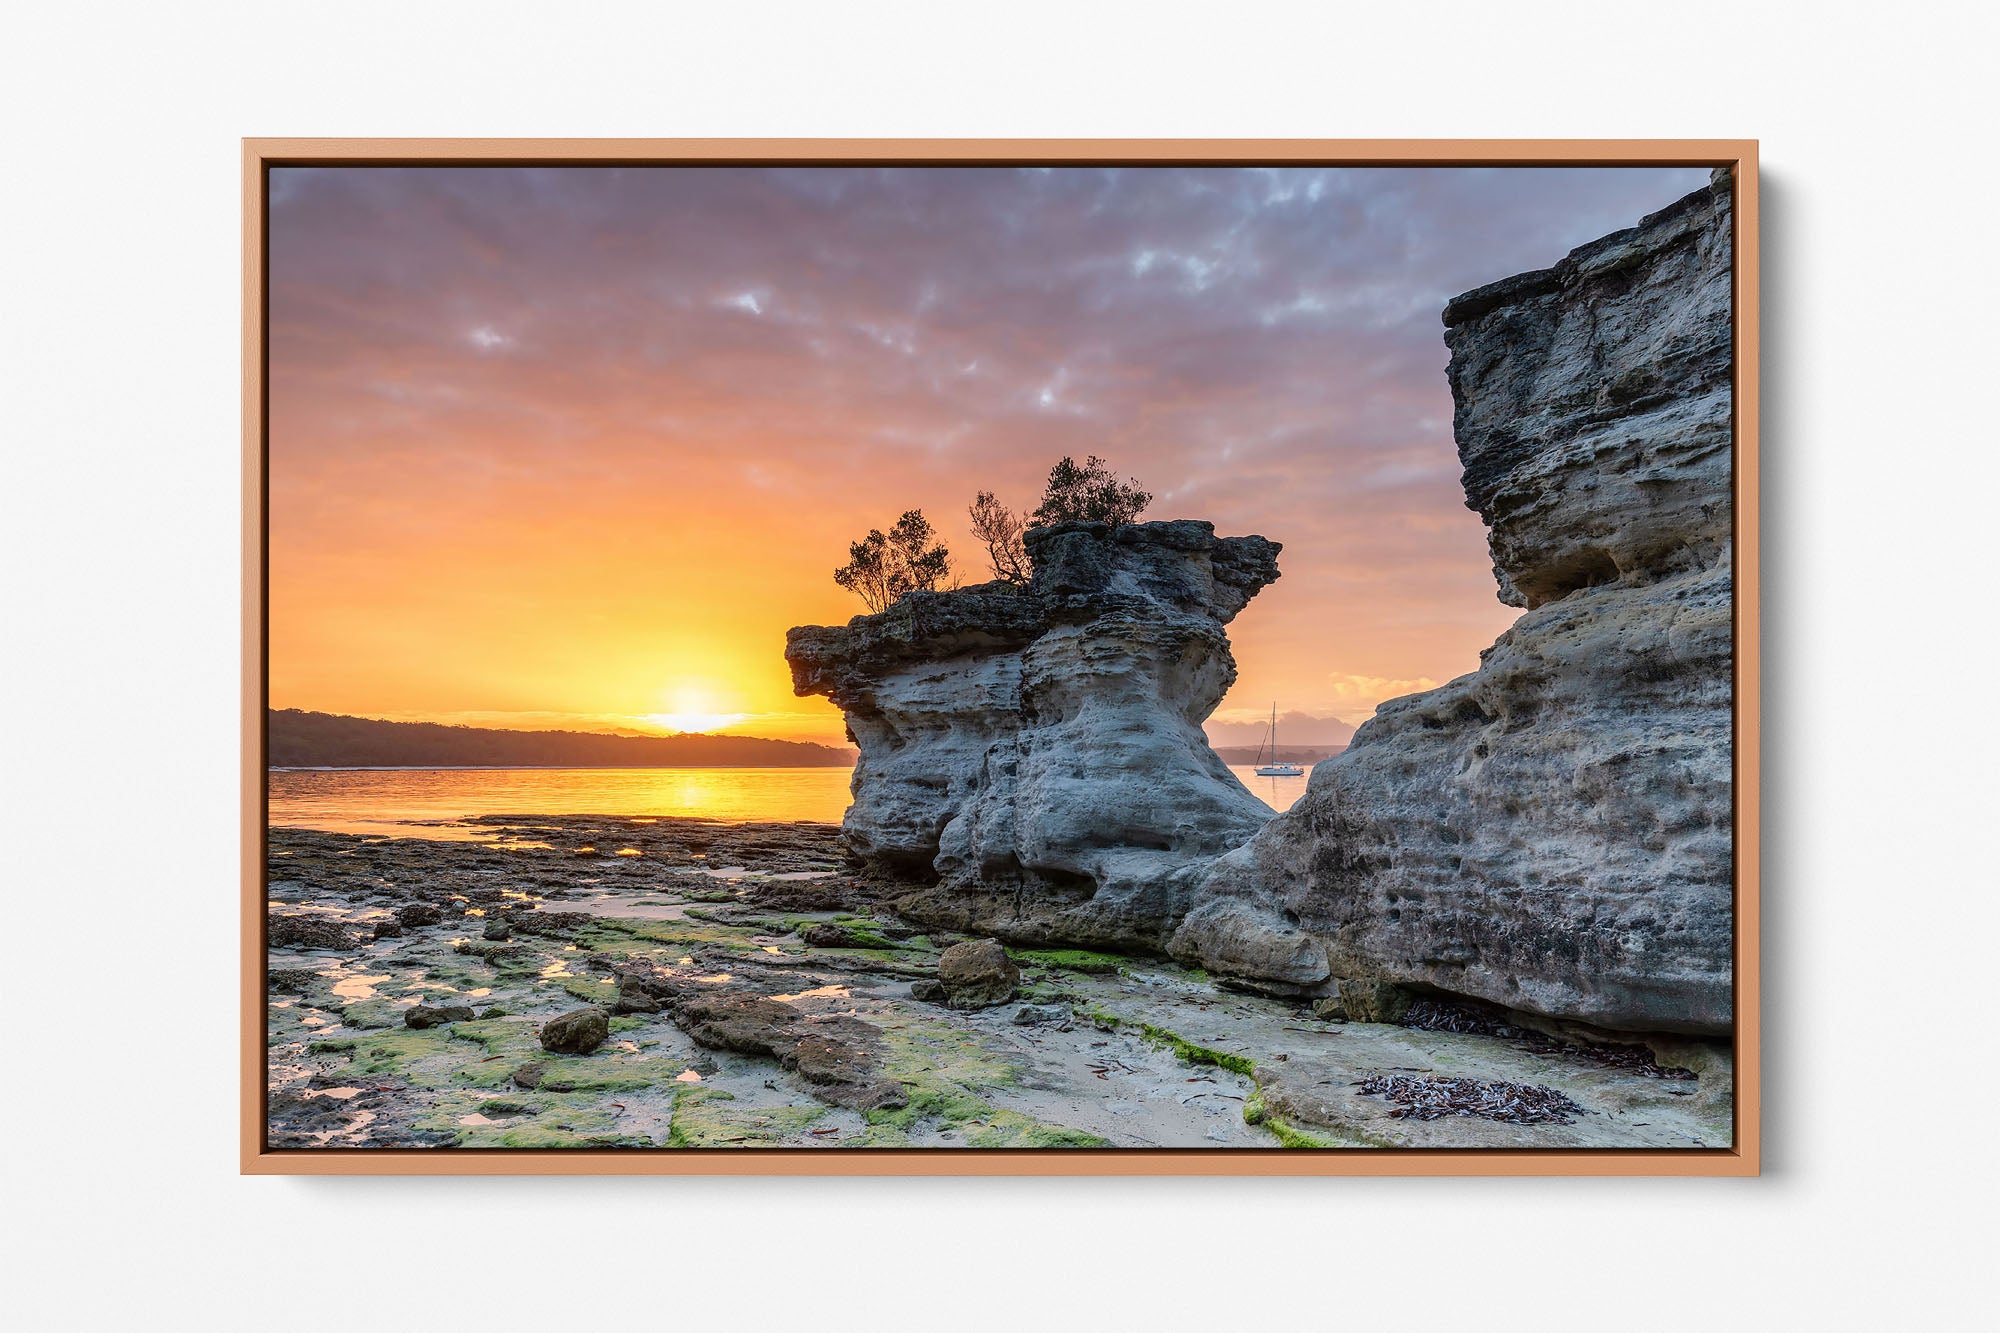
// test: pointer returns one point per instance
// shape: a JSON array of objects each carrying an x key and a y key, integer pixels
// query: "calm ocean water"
[{"x": 374, "y": 800}]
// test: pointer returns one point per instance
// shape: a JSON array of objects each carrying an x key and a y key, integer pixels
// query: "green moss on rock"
[
  {"x": 1009, "y": 1129},
  {"x": 944, "y": 1073},
  {"x": 1191, "y": 1052},
  {"x": 424, "y": 1057},
  {"x": 1291, "y": 1137},
  {"x": 542, "y": 1122},
  {"x": 1071, "y": 960},
  {"x": 371, "y": 1014},
  {"x": 709, "y": 1118},
  {"x": 590, "y": 989}
]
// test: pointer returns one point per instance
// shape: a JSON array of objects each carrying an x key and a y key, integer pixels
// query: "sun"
[{"x": 692, "y": 709}]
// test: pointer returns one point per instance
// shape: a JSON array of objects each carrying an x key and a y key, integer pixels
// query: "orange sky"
[{"x": 574, "y": 447}]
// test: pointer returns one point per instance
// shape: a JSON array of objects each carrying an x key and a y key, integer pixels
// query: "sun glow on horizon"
[
  {"x": 692, "y": 708},
  {"x": 693, "y": 722}
]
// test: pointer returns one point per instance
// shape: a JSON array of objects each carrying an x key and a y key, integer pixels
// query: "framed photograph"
[{"x": 1000, "y": 657}]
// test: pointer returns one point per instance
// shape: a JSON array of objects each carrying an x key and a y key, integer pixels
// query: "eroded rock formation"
[
  {"x": 1037, "y": 752},
  {"x": 1552, "y": 832}
]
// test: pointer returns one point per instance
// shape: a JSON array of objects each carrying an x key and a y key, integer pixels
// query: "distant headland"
[{"x": 300, "y": 739}]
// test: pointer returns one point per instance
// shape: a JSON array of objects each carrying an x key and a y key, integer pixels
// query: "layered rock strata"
[
  {"x": 1552, "y": 832},
  {"x": 1037, "y": 753}
]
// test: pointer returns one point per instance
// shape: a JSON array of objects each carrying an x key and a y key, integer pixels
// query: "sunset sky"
[{"x": 573, "y": 447}]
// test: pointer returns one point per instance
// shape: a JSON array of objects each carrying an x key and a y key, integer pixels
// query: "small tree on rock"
[
  {"x": 1089, "y": 493},
  {"x": 1000, "y": 528},
  {"x": 883, "y": 568}
]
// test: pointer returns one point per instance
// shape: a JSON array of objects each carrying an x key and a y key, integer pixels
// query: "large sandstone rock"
[
  {"x": 1552, "y": 832},
  {"x": 1038, "y": 752}
]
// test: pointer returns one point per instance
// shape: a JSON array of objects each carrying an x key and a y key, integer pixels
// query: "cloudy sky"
[{"x": 573, "y": 447}]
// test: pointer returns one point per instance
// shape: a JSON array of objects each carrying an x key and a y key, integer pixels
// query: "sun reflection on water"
[{"x": 363, "y": 800}]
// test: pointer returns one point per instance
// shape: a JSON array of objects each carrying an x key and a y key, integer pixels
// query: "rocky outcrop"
[
  {"x": 1037, "y": 753},
  {"x": 1552, "y": 832}
]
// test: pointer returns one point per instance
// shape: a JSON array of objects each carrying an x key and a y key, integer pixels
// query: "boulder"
[
  {"x": 431, "y": 1016},
  {"x": 977, "y": 975},
  {"x": 1036, "y": 753},
  {"x": 578, "y": 1032},
  {"x": 412, "y": 915}
]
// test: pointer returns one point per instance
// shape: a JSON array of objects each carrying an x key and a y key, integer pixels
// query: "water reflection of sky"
[{"x": 389, "y": 801}]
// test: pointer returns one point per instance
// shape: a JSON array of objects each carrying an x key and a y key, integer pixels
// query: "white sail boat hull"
[{"x": 1275, "y": 769}]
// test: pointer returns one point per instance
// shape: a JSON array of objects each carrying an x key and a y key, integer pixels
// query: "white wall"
[{"x": 120, "y": 421}]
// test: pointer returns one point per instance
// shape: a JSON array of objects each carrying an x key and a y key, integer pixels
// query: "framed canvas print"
[{"x": 986, "y": 657}]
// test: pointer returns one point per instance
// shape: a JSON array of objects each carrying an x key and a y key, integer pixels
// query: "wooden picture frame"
[{"x": 260, "y": 156}]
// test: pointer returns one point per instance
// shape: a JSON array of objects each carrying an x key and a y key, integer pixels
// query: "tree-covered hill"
[{"x": 299, "y": 739}]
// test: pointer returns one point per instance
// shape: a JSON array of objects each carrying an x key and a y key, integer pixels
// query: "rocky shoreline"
[{"x": 590, "y": 982}]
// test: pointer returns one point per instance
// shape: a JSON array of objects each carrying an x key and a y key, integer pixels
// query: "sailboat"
[{"x": 1276, "y": 768}]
